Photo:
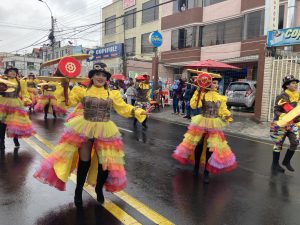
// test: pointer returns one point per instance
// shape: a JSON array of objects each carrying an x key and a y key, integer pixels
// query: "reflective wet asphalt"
[{"x": 159, "y": 191}]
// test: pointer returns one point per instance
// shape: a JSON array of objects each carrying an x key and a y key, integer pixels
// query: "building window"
[
  {"x": 130, "y": 46},
  {"x": 146, "y": 45},
  {"x": 254, "y": 24},
  {"x": 151, "y": 14},
  {"x": 110, "y": 25},
  {"x": 222, "y": 33},
  {"x": 109, "y": 44},
  {"x": 211, "y": 2},
  {"x": 183, "y": 5},
  {"x": 30, "y": 65},
  {"x": 281, "y": 17},
  {"x": 130, "y": 19},
  {"x": 183, "y": 38}
]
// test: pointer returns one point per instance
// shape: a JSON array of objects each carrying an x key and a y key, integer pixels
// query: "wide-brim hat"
[
  {"x": 93, "y": 72},
  {"x": 11, "y": 69},
  {"x": 288, "y": 79},
  {"x": 7, "y": 86}
]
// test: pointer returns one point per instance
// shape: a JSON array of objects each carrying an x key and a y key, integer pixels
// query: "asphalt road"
[{"x": 159, "y": 191}]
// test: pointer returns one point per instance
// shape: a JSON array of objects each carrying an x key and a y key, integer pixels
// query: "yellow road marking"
[
  {"x": 143, "y": 209},
  {"x": 44, "y": 141},
  {"x": 115, "y": 210},
  {"x": 139, "y": 206}
]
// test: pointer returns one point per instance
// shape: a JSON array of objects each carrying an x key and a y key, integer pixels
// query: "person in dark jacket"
[{"x": 187, "y": 97}]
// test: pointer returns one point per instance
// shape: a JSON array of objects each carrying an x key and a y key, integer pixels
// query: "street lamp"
[{"x": 51, "y": 35}]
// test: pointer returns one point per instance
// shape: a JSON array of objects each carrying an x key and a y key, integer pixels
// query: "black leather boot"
[
  {"x": 46, "y": 109},
  {"x": 197, "y": 155},
  {"x": 101, "y": 178},
  {"x": 206, "y": 173},
  {"x": 16, "y": 142},
  {"x": 206, "y": 177},
  {"x": 287, "y": 160},
  {"x": 2, "y": 135},
  {"x": 275, "y": 164},
  {"x": 54, "y": 113},
  {"x": 82, "y": 171}
]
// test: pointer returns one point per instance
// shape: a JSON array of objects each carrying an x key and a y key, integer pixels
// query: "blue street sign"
[
  {"x": 112, "y": 51},
  {"x": 156, "y": 39},
  {"x": 283, "y": 37}
]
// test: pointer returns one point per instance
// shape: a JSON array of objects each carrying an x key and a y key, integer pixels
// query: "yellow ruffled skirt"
[
  {"x": 222, "y": 158},
  {"x": 14, "y": 115},
  {"x": 107, "y": 151}
]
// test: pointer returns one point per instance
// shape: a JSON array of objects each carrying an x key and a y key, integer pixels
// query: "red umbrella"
[
  {"x": 211, "y": 64},
  {"x": 118, "y": 77}
]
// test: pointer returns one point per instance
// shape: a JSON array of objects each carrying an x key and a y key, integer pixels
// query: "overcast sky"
[{"x": 34, "y": 17}]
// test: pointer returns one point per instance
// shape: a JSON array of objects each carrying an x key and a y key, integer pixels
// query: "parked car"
[{"x": 241, "y": 93}]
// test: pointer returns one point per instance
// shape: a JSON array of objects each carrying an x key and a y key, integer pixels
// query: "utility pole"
[
  {"x": 51, "y": 35},
  {"x": 124, "y": 51},
  {"x": 155, "y": 69}
]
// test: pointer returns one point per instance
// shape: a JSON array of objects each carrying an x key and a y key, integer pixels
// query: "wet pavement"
[{"x": 159, "y": 191}]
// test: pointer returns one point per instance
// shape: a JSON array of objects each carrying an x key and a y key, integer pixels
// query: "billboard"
[
  {"x": 128, "y": 3},
  {"x": 109, "y": 52},
  {"x": 283, "y": 37}
]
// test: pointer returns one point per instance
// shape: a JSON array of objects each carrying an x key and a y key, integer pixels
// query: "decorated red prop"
[
  {"x": 203, "y": 80},
  {"x": 3, "y": 87},
  {"x": 68, "y": 67}
]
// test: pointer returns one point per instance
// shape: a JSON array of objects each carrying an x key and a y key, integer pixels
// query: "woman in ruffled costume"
[
  {"x": 77, "y": 90},
  {"x": 94, "y": 139},
  {"x": 52, "y": 99},
  {"x": 32, "y": 82},
  {"x": 14, "y": 119},
  {"x": 204, "y": 141},
  {"x": 142, "y": 98}
]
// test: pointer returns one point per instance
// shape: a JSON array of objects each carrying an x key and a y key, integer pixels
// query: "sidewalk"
[{"x": 243, "y": 123}]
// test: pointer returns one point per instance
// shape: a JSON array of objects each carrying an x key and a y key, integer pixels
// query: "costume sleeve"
[
  {"x": 148, "y": 95},
  {"x": 124, "y": 109},
  {"x": 24, "y": 93},
  {"x": 193, "y": 101},
  {"x": 76, "y": 95},
  {"x": 223, "y": 110}
]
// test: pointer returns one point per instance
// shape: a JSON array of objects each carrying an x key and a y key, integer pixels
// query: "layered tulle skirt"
[
  {"x": 15, "y": 116},
  {"x": 107, "y": 151},
  {"x": 222, "y": 158},
  {"x": 59, "y": 107}
]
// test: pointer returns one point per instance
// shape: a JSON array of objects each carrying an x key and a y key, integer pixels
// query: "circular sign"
[
  {"x": 203, "y": 80},
  {"x": 156, "y": 39},
  {"x": 69, "y": 67}
]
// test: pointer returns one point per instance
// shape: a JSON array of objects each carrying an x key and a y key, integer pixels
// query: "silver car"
[{"x": 241, "y": 93}]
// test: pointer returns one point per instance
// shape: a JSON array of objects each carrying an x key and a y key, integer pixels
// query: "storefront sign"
[
  {"x": 109, "y": 52},
  {"x": 128, "y": 3},
  {"x": 156, "y": 39},
  {"x": 271, "y": 15},
  {"x": 283, "y": 37}
]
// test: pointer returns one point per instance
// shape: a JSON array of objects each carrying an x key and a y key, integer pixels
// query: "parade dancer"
[
  {"x": 204, "y": 142},
  {"x": 32, "y": 82},
  {"x": 284, "y": 103},
  {"x": 14, "y": 119},
  {"x": 142, "y": 99},
  {"x": 52, "y": 99},
  {"x": 94, "y": 139}
]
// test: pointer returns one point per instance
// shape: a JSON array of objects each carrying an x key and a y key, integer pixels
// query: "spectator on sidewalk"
[
  {"x": 187, "y": 97},
  {"x": 131, "y": 93},
  {"x": 177, "y": 95}
]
